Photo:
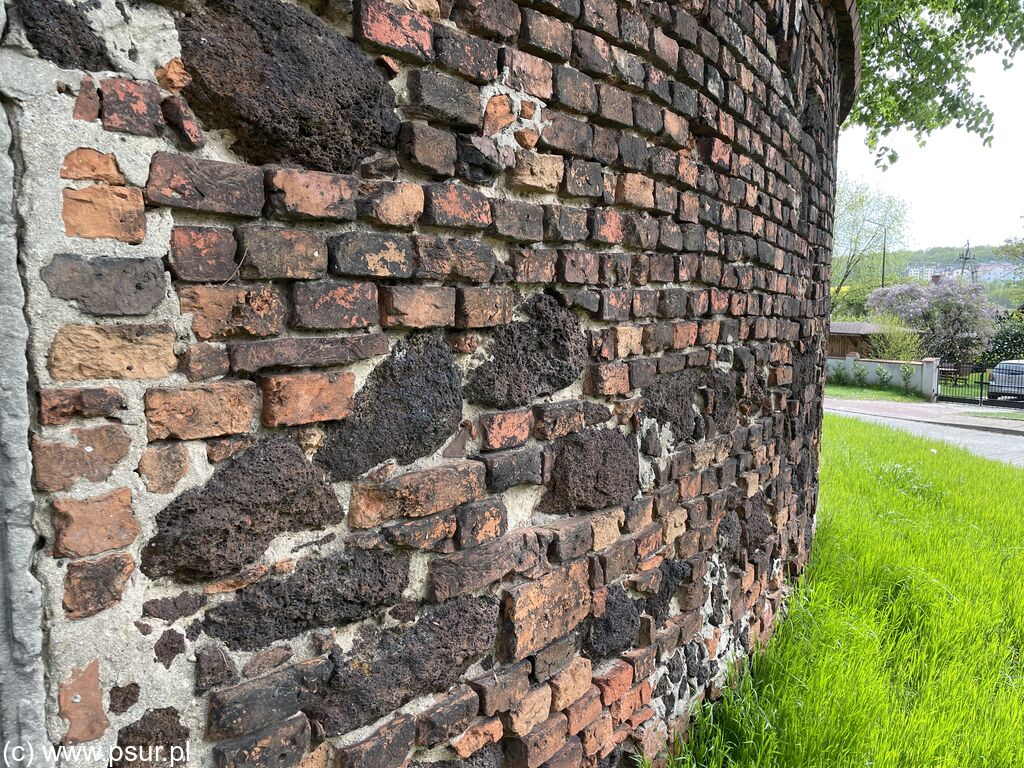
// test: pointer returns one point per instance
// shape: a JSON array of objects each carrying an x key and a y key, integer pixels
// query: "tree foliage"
[
  {"x": 895, "y": 341},
  {"x": 1008, "y": 341},
  {"x": 917, "y": 61}
]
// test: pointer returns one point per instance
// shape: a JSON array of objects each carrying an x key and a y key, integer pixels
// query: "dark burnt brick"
[
  {"x": 583, "y": 179},
  {"x": 591, "y": 54},
  {"x": 399, "y": 664},
  {"x": 633, "y": 152},
  {"x": 498, "y": 19},
  {"x": 601, "y": 16},
  {"x": 616, "y": 303},
  {"x": 478, "y": 567},
  {"x": 294, "y": 193},
  {"x": 170, "y": 609},
  {"x": 326, "y": 591},
  {"x": 501, "y": 690},
  {"x": 647, "y": 117},
  {"x": 545, "y": 36},
  {"x": 479, "y": 160},
  {"x": 92, "y": 586},
  {"x": 447, "y": 717},
  {"x": 323, "y": 104},
  {"x": 180, "y": 117},
  {"x": 203, "y": 254},
  {"x": 131, "y": 106},
  {"x": 489, "y": 756},
  {"x": 578, "y": 267},
  {"x": 123, "y": 698},
  {"x": 267, "y": 253},
  {"x": 214, "y": 668},
  {"x": 61, "y": 405},
  {"x": 427, "y": 149},
  {"x": 571, "y": 538},
  {"x": 87, "y": 103},
  {"x": 442, "y": 258},
  {"x": 455, "y": 205},
  {"x": 517, "y": 220},
  {"x": 558, "y": 419},
  {"x": 480, "y": 522},
  {"x": 563, "y": 223},
  {"x": 168, "y": 647},
  {"x": 106, "y": 286},
  {"x": 387, "y": 747},
  {"x": 537, "y": 612},
  {"x": 593, "y": 469},
  {"x": 370, "y": 254},
  {"x": 332, "y": 305},
  {"x": 156, "y": 728},
  {"x": 469, "y": 56},
  {"x": 606, "y": 145},
  {"x": 446, "y": 99},
  {"x": 227, "y": 523},
  {"x": 553, "y": 658},
  {"x": 279, "y": 744},
  {"x": 530, "y": 358},
  {"x": 252, "y": 356},
  {"x": 567, "y": 135},
  {"x": 204, "y": 185},
  {"x": 410, "y": 404},
  {"x": 505, "y": 429},
  {"x": 399, "y": 31},
  {"x": 434, "y": 533},
  {"x": 533, "y": 266},
  {"x": 508, "y": 469},
  {"x": 528, "y": 73},
  {"x": 584, "y": 298},
  {"x": 61, "y": 33},
  {"x": 574, "y": 90}
]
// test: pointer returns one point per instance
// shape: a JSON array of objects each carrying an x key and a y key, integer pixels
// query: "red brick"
[
  {"x": 635, "y": 189},
  {"x": 87, "y": 103},
  {"x": 269, "y": 253},
  {"x": 417, "y": 494},
  {"x": 391, "y": 203},
  {"x": 614, "y": 682},
  {"x": 456, "y": 205},
  {"x": 608, "y": 379},
  {"x": 507, "y": 429},
  {"x": 224, "y": 311},
  {"x": 180, "y": 117},
  {"x": 89, "y": 164},
  {"x": 61, "y": 405},
  {"x": 529, "y": 73},
  {"x": 538, "y": 746},
  {"x": 203, "y": 254},
  {"x": 417, "y": 306},
  {"x": 537, "y": 173},
  {"x": 186, "y": 182},
  {"x": 517, "y": 220},
  {"x": 56, "y": 466},
  {"x": 484, "y": 307},
  {"x": 306, "y": 398},
  {"x": 94, "y": 525},
  {"x": 533, "y": 266},
  {"x": 569, "y": 756},
  {"x": 499, "y": 113},
  {"x": 392, "y": 28},
  {"x": 202, "y": 410},
  {"x": 441, "y": 258},
  {"x": 81, "y": 703},
  {"x": 543, "y": 610},
  {"x": 571, "y": 683},
  {"x": 530, "y": 711},
  {"x": 585, "y": 710},
  {"x": 427, "y": 149},
  {"x": 131, "y": 106},
  {"x": 299, "y": 194},
  {"x": 333, "y": 305},
  {"x": 252, "y": 356},
  {"x": 558, "y": 419},
  {"x": 83, "y": 352},
  {"x": 91, "y": 586},
  {"x": 101, "y": 211},
  {"x": 369, "y": 254},
  {"x": 163, "y": 466},
  {"x": 478, "y": 736}
]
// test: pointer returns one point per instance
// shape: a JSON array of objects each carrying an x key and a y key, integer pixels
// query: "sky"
[{"x": 957, "y": 188}]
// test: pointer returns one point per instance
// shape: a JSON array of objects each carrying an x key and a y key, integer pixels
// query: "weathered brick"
[
  {"x": 533, "y": 266},
  {"x": 333, "y": 305},
  {"x": 83, "y": 352},
  {"x": 570, "y": 684},
  {"x": 268, "y": 253},
  {"x": 306, "y": 398},
  {"x": 517, "y": 220},
  {"x": 224, "y": 311},
  {"x": 480, "y": 522},
  {"x": 387, "y": 747},
  {"x": 478, "y": 567},
  {"x": 490, "y": 18},
  {"x": 608, "y": 379},
  {"x": 57, "y": 465},
  {"x": 501, "y": 690},
  {"x": 100, "y": 211},
  {"x": 91, "y": 586},
  {"x": 182, "y": 120},
  {"x": 585, "y": 710},
  {"x": 81, "y": 704},
  {"x": 300, "y": 194},
  {"x": 436, "y": 96},
  {"x": 396, "y": 30},
  {"x": 87, "y": 103},
  {"x": 595, "y": 736},
  {"x": 440, "y": 258},
  {"x": 506, "y": 429},
  {"x": 252, "y": 356},
  {"x": 435, "y": 533},
  {"x": 578, "y": 267},
  {"x": 567, "y": 135},
  {"x": 574, "y": 90},
  {"x": 391, "y": 203},
  {"x": 203, "y": 254},
  {"x": 540, "y": 611},
  {"x": 558, "y": 419},
  {"x": 93, "y": 525},
  {"x": 536, "y": 173},
  {"x": 163, "y": 466},
  {"x": 417, "y": 494},
  {"x": 563, "y": 223},
  {"x": 131, "y": 106},
  {"x": 448, "y": 717},
  {"x": 87, "y": 164},
  {"x": 417, "y": 306},
  {"x": 478, "y": 736},
  {"x": 368, "y": 254},
  {"x": 286, "y": 741},
  {"x": 508, "y": 469},
  {"x": 484, "y": 307},
  {"x": 614, "y": 681},
  {"x": 427, "y": 149},
  {"x": 530, "y": 711},
  {"x": 540, "y": 744},
  {"x": 471, "y": 57},
  {"x": 186, "y": 182},
  {"x": 201, "y": 410},
  {"x": 456, "y": 205},
  {"x": 529, "y": 73},
  {"x": 545, "y": 36}
]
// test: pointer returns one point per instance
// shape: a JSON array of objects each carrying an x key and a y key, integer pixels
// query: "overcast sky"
[{"x": 957, "y": 188}]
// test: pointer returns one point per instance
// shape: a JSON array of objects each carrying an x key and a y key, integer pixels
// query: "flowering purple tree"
[{"x": 955, "y": 318}]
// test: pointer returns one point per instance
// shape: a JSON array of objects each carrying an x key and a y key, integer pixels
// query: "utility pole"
[{"x": 885, "y": 244}]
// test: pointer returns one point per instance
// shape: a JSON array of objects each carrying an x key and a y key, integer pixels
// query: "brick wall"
[{"x": 418, "y": 381}]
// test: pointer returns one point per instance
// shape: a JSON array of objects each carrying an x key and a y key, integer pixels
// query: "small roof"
[{"x": 858, "y": 328}]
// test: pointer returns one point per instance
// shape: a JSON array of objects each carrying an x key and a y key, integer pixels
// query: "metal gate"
[{"x": 979, "y": 385}]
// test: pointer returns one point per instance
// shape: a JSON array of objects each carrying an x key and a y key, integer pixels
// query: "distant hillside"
[{"x": 950, "y": 256}]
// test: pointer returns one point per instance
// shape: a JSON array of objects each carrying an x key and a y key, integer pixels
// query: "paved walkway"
[{"x": 1002, "y": 440}]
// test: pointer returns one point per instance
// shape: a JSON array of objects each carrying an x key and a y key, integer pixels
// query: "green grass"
[
  {"x": 852, "y": 392},
  {"x": 1011, "y": 415},
  {"x": 903, "y": 645}
]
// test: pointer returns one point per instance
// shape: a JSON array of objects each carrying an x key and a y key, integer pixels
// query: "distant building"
[{"x": 847, "y": 337}]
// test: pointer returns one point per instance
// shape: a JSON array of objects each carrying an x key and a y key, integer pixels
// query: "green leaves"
[{"x": 917, "y": 62}]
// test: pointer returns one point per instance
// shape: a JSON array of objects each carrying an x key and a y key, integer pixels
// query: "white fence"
[{"x": 925, "y": 378}]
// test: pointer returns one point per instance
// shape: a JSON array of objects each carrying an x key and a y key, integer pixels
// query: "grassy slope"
[
  {"x": 850, "y": 392},
  {"x": 903, "y": 646}
]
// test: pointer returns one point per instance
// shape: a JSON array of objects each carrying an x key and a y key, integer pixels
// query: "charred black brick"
[
  {"x": 593, "y": 469},
  {"x": 563, "y": 223},
  {"x": 60, "y": 32},
  {"x": 214, "y": 667},
  {"x": 411, "y": 403},
  {"x": 471, "y": 57},
  {"x": 574, "y": 90},
  {"x": 507, "y": 469},
  {"x": 227, "y": 523},
  {"x": 322, "y": 103},
  {"x": 281, "y": 744},
  {"x": 170, "y": 609},
  {"x": 517, "y": 220},
  {"x": 553, "y": 658},
  {"x": 530, "y": 358},
  {"x": 436, "y": 96},
  {"x": 170, "y": 645},
  {"x": 157, "y": 728},
  {"x": 106, "y": 286},
  {"x": 616, "y": 629}
]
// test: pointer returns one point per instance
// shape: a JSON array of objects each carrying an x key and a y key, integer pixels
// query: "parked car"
[{"x": 1007, "y": 380}]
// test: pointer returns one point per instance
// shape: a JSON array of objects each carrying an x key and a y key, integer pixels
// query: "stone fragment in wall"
[
  {"x": 616, "y": 629},
  {"x": 81, "y": 352},
  {"x": 168, "y": 647},
  {"x": 323, "y": 104},
  {"x": 387, "y": 747},
  {"x": 302, "y": 352},
  {"x": 266, "y": 660},
  {"x": 87, "y": 103},
  {"x": 170, "y": 609},
  {"x": 281, "y": 744},
  {"x": 537, "y": 612},
  {"x": 60, "y": 32},
  {"x": 106, "y": 286},
  {"x": 163, "y": 465},
  {"x": 592, "y": 470},
  {"x": 87, "y": 164},
  {"x": 322, "y": 592},
  {"x": 530, "y": 358},
  {"x": 402, "y": 663},
  {"x": 410, "y": 404},
  {"x": 59, "y": 405},
  {"x": 209, "y": 186},
  {"x": 123, "y": 697},
  {"x": 178, "y": 114},
  {"x": 172, "y": 76},
  {"x": 156, "y": 728},
  {"x": 81, "y": 704},
  {"x": 226, "y": 524},
  {"x": 101, "y": 211},
  {"x": 91, "y": 586},
  {"x": 131, "y": 106},
  {"x": 214, "y": 667},
  {"x": 201, "y": 410},
  {"x": 58, "y": 465},
  {"x": 94, "y": 525}
]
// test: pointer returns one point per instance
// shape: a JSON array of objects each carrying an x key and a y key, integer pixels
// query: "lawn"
[
  {"x": 853, "y": 392},
  {"x": 903, "y": 643},
  {"x": 1011, "y": 415}
]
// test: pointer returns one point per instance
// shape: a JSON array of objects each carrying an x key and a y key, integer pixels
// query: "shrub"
[
  {"x": 860, "y": 374},
  {"x": 883, "y": 377},
  {"x": 906, "y": 374},
  {"x": 837, "y": 375},
  {"x": 1008, "y": 341},
  {"x": 895, "y": 341}
]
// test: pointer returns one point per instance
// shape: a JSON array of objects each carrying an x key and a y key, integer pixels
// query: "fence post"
[{"x": 930, "y": 378}]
